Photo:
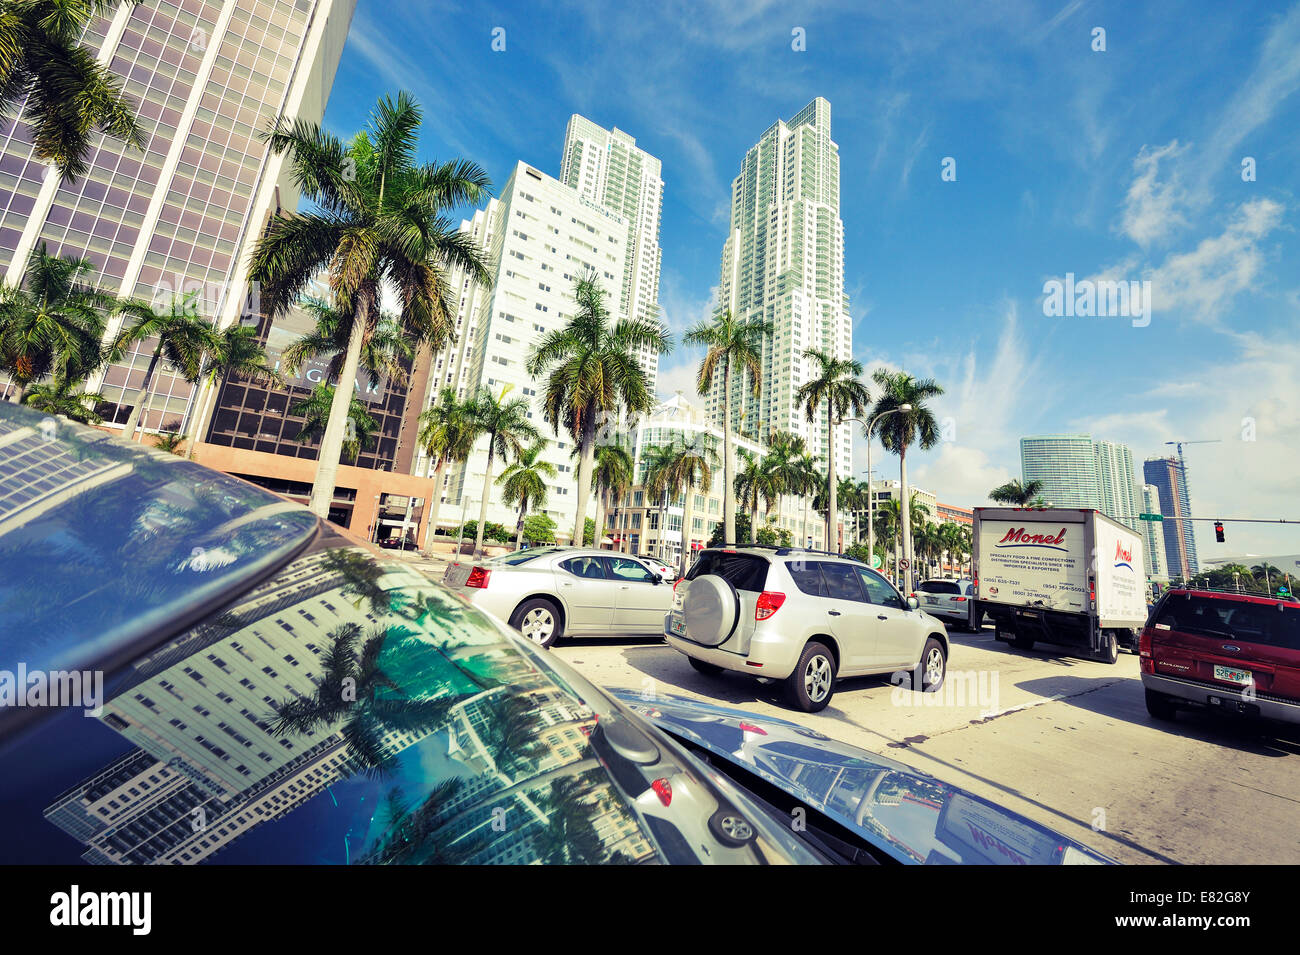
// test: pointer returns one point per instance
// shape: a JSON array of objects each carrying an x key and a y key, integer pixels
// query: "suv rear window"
[
  {"x": 742, "y": 571},
  {"x": 1241, "y": 620},
  {"x": 939, "y": 587}
]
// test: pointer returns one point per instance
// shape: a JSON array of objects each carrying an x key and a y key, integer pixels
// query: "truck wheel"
[
  {"x": 1109, "y": 647},
  {"x": 1022, "y": 643},
  {"x": 1161, "y": 706},
  {"x": 812, "y": 683}
]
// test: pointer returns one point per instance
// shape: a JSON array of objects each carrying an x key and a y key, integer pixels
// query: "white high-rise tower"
[{"x": 783, "y": 261}]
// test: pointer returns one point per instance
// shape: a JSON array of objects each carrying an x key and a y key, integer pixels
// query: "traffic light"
[{"x": 1218, "y": 531}]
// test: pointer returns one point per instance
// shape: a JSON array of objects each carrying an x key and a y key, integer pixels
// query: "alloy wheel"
[
  {"x": 538, "y": 625},
  {"x": 817, "y": 678}
]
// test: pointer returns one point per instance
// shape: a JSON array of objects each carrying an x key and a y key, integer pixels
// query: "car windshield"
[
  {"x": 346, "y": 710},
  {"x": 1273, "y": 624}
]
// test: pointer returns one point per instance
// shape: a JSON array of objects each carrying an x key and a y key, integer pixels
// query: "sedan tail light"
[
  {"x": 478, "y": 577},
  {"x": 664, "y": 790},
  {"x": 959, "y": 599},
  {"x": 769, "y": 602}
]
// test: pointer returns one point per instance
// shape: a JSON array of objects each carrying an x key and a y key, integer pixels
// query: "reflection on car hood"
[{"x": 913, "y": 817}]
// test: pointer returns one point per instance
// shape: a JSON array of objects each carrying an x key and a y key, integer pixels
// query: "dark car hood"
[{"x": 913, "y": 817}]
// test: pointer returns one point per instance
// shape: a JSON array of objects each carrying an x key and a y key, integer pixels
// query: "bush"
[
  {"x": 742, "y": 532},
  {"x": 492, "y": 531},
  {"x": 589, "y": 532},
  {"x": 539, "y": 529}
]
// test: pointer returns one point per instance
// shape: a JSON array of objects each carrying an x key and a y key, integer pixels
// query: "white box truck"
[{"x": 1067, "y": 576}]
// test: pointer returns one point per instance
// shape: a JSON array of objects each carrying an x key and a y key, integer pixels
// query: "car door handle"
[
  {"x": 833, "y": 613},
  {"x": 881, "y": 616}
]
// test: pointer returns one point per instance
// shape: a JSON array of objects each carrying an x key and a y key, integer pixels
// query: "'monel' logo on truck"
[
  {"x": 1016, "y": 537},
  {"x": 1123, "y": 558}
]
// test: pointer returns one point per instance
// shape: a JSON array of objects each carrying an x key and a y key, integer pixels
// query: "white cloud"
[{"x": 1153, "y": 209}]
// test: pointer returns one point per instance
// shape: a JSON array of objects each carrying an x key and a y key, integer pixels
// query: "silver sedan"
[{"x": 549, "y": 592}]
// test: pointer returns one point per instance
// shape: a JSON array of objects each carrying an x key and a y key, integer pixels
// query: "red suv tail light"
[
  {"x": 478, "y": 577},
  {"x": 769, "y": 602}
]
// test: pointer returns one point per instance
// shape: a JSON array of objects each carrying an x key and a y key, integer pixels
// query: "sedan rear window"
[{"x": 743, "y": 571}]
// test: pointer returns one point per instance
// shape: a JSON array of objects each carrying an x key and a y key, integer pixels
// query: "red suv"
[{"x": 1227, "y": 652}]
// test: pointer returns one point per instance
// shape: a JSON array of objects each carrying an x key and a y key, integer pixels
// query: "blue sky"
[{"x": 1124, "y": 163}]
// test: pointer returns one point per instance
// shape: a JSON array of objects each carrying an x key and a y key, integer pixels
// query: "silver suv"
[{"x": 802, "y": 617}]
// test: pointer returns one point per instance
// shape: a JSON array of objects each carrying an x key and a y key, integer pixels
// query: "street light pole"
[{"x": 871, "y": 503}]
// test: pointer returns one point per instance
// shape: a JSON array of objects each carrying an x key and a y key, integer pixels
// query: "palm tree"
[
  {"x": 170, "y": 441},
  {"x": 65, "y": 94},
  {"x": 384, "y": 348},
  {"x": 524, "y": 482},
  {"x": 728, "y": 341},
  {"x": 182, "y": 338},
  {"x": 835, "y": 385},
  {"x": 784, "y": 451},
  {"x": 62, "y": 397},
  {"x": 804, "y": 481},
  {"x": 1016, "y": 492},
  {"x": 318, "y": 406},
  {"x": 611, "y": 474},
  {"x": 448, "y": 432},
  {"x": 508, "y": 430},
  {"x": 592, "y": 374},
  {"x": 657, "y": 460},
  {"x": 53, "y": 323},
  {"x": 236, "y": 352},
  {"x": 754, "y": 482},
  {"x": 901, "y": 429},
  {"x": 690, "y": 464},
  {"x": 378, "y": 218}
]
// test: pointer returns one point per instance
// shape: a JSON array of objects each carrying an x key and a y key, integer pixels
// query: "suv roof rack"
[{"x": 784, "y": 550}]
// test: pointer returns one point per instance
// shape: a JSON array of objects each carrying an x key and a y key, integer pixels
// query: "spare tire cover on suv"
[{"x": 711, "y": 610}]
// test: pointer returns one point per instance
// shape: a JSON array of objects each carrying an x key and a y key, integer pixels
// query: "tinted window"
[
  {"x": 522, "y": 556},
  {"x": 592, "y": 567},
  {"x": 939, "y": 587},
  {"x": 1232, "y": 620},
  {"x": 742, "y": 571},
  {"x": 879, "y": 590},
  {"x": 624, "y": 568},
  {"x": 807, "y": 577},
  {"x": 842, "y": 581}
]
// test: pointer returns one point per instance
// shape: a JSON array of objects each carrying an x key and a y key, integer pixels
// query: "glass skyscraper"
[
  {"x": 1066, "y": 465},
  {"x": 206, "y": 76},
  {"x": 783, "y": 262},
  {"x": 1166, "y": 475}
]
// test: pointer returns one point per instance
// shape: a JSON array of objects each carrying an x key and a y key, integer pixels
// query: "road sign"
[
  {"x": 876, "y": 561},
  {"x": 904, "y": 563},
  {"x": 1151, "y": 517}
]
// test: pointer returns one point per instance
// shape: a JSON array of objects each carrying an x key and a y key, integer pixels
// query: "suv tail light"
[
  {"x": 478, "y": 577},
  {"x": 769, "y": 602},
  {"x": 1144, "y": 643}
]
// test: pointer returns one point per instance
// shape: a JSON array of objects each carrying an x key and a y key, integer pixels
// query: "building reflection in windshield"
[{"x": 351, "y": 713}]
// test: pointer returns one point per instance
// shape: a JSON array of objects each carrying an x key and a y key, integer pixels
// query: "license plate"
[
  {"x": 1233, "y": 675},
  {"x": 677, "y": 625}
]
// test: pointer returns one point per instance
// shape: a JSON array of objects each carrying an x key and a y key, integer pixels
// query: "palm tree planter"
[{"x": 379, "y": 219}]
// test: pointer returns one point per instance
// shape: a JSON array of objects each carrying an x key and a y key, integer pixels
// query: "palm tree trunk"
[
  {"x": 483, "y": 504},
  {"x": 599, "y": 533},
  {"x": 905, "y": 509},
  {"x": 207, "y": 398},
  {"x": 133, "y": 419},
  {"x": 832, "y": 510},
  {"x": 728, "y": 466},
  {"x": 586, "y": 460},
  {"x": 331, "y": 445},
  {"x": 687, "y": 514},
  {"x": 436, "y": 504},
  {"x": 519, "y": 528}
]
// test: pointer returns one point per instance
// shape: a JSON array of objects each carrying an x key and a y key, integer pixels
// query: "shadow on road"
[{"x": 1122, "y": 698}]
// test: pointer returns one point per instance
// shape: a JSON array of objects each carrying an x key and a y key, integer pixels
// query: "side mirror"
[
  {"x": 656, "y": 579},
  {"x": 913, "y": 603}
]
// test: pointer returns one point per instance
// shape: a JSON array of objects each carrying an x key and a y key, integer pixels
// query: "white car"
[
  {"x": 951, "y": 600},
  {"x": 804, "y": 618},
  {"x": 549, "y": 592}
]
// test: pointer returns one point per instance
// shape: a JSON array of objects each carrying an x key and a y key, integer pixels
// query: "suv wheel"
[
  {"x": 1161, "y": 706},
  {"x": 812, "y": 684},
  {"x": 708, "y": 669},
  {"x": 932, "y": 669},
  {"x": 539, "y": 621}
]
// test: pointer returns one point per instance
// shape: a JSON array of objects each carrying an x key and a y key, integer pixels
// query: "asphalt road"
[{"x": 1062, "y": 740}]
